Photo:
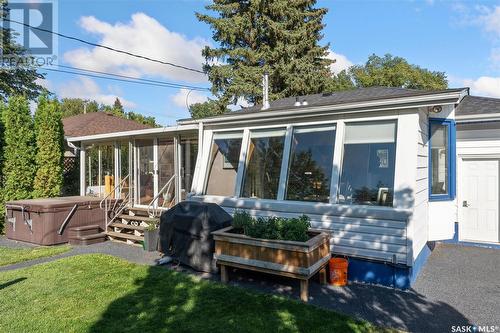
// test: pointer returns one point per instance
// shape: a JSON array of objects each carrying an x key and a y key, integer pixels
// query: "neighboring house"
[
  {"x": 378, "y": 167},
  {"x": 91, "y": 123}
]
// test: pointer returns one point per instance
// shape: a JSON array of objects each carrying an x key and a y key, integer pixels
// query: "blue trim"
[
  {"x": 455, "y": 240},
  {"x": 452, "y": 160},
  {"x": 386, "y": 274}
]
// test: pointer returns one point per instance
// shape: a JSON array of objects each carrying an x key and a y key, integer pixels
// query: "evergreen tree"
[
  {"x": 2, "y": 132},
  {"x": 16, "y": 77},
  {"x": 206, "y": 109},
  {"x": 19, "y": 150},
  {"x": 280, "y": 37},
  {"x": 49, "y": 149},
  {"x": 118, "y": 108}
]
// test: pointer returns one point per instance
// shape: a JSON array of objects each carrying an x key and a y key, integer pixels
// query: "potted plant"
[
  {"x": 275, "y": 245},
  {"x": 151, "y": 236}
]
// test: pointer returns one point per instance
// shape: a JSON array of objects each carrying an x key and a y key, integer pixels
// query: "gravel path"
[{"x": 458, "y": 286}]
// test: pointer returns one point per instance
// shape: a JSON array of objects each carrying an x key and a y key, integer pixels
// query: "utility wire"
[
  {"x": 108, "y": 47},
  {"x": 165, "y": 85},
  {"x": 132, "y": 78}
]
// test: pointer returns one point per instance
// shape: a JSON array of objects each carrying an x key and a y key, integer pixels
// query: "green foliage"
[
  {"x": 281, "y": 37},
  {"x": 293, "y": 229},
  {"x": 18, "y": 76},
  {"x": 2, "y": 132},
  {"x": 207, "y": 109},
  {"x": 19, "y": 151},
  {"x": 146, "y": 120},
  {"x": 49, "y": 143},
  {"x": 391, "y": 71},
  {"x": 75, "y": 106}
]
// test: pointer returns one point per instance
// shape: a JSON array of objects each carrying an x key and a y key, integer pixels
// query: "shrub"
[
  {"x": 49, "y": 143},
  {"x": 293, "y": 229},
  {"x": 19, "y": 151}
]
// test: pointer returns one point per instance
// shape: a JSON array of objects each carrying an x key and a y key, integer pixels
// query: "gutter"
[
  {"x": 416, "y": 101},
  {"x": 167, "y": 129}
]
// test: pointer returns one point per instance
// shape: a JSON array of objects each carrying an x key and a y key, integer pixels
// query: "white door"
[{"x": 480, "y": 201}]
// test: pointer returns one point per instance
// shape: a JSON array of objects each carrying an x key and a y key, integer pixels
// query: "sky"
[{"x": 461, "y": 38}]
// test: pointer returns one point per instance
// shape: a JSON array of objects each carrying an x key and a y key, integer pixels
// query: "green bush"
[
  {"x": 293, "y": 229},
  {"x": 2, "y": 132},
  {"x": 49, "y": 153}
]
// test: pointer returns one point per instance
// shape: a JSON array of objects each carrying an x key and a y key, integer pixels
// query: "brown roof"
[{"x": 98, "y": 123}]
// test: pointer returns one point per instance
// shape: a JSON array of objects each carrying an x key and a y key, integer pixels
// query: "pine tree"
[
  {"x": 49, "y": 149},
  {"x": 19, "y": 150},
  {"x": 118, "y": 108},
  {"x": 280, "y": 37}
]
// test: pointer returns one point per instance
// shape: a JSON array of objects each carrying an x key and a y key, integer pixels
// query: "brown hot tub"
[{"x": 39, "y": 221}]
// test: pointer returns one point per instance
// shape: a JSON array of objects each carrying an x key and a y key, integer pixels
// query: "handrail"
[
  {"x": 107, "y": 197},
  {"x": 151, "y": 206},
  {"x": 113, "y": 191}
]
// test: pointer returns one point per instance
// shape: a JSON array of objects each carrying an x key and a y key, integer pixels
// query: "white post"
[{"x": 82, "y": 169}]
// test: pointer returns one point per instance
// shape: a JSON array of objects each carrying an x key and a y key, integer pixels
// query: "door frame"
[{"x": 460, "y": 193}]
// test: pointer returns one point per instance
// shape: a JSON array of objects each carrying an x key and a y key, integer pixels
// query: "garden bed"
[{"x": 299, "y": 260}]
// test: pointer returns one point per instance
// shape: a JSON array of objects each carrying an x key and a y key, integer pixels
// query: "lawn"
[
  {"x": 100, "y": 293},
  {"x": 9, "y": 256}
]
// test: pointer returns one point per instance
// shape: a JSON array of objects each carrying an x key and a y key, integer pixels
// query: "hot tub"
[{"x": 39, "y": 221}]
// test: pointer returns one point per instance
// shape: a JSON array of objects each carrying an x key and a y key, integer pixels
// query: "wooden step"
[
  {"x": 138, "y": 218},
  {"x": 144, "y": 211},
  {"x": 88, "y": 239},
  {"x": 125, "y": 236},
  {"x": 127, "y": 226}
]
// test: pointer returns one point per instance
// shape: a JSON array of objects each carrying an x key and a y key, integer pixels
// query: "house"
[
  {"x": 91, "y": 123},
  {"x": 386, "y": 170}
]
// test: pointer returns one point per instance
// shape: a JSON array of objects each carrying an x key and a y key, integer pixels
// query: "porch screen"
[
  {"x": 368, "y": 164},
  {"x": 264, "y": 157},
  {"x": 310, "y": 165},
  {"x": 223, "y": 164}
]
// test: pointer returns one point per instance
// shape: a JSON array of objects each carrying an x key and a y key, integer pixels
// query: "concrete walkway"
[{"x": 458, "y": 286}]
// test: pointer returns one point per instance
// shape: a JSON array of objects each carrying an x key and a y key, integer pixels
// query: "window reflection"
[
  {"x": 265, "y": 154},
  {"x": 439, "y": 158},
  {"x": 223, "y": 164},
  {"x": 368, "y": 164},
  {"x": 311, "y": 161}
]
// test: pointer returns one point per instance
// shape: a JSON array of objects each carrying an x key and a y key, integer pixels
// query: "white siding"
[{"x": 420, "y": 218}]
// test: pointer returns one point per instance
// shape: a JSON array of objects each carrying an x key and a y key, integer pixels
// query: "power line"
[
  {"x": 164, "y": 85},
  {"x": 108, "y": 47},
  {"x": 133, "y": 78}
]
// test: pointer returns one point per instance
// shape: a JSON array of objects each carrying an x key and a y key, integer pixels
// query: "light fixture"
[
  {"x": 297, "y": 102},
  {"x": 436, "y": 109}
]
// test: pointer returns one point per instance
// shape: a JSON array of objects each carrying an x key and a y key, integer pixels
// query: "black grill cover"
[{"x": 185, "y": 233}]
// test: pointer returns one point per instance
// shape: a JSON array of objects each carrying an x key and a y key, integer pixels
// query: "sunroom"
[{"x": 359, "y": 170}]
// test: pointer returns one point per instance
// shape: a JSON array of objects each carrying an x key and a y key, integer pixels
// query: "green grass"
[
  {"x": 100, "y": 293},
  {"x": 9, "y": 256}
]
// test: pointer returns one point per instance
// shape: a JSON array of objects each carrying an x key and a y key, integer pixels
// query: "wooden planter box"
[{"x": 299, "y": 260}]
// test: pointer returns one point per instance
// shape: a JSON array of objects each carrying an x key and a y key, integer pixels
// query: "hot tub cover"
[{"x": 185, "y": 233}]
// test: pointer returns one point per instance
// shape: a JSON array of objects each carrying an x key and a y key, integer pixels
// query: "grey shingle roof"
[
  {"x": 471, "y": 105},
  {"x": 348, "y": 96}
]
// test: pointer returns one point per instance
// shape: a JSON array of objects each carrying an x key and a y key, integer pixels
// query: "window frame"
[{"x": 451, "y": 163}]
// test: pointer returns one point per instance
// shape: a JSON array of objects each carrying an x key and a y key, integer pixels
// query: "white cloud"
[
  {"x": 181, "y": 98},
  {"x": 142, "y": 35},
  {"x": 484, "y": 86},
  {"x": 341, "y": 62},
  {"x": 489, "y": 19},
  {"x": 87, "y": 88}
]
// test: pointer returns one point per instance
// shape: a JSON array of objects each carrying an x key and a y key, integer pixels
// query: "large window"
[
  {"x": 310, "y": 165},
  {"x": 263, "y": 167},
  {"x": 223, "y": 164},
  {"x": 368, "y": 164},
  {"x": 441, "y": 171}
]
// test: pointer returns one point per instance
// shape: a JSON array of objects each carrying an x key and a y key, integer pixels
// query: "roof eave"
[{"x": 452, "y": 97}]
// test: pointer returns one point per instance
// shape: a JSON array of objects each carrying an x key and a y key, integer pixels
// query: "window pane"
[
  {"x": 311, "y": 161},
  {"x": 439, "y": 159},
  {"x": 265, "y": 153},
  {"x": 368, "y": 164},
  {"x": 189, "y": 151},
  {"x": 92, "y": 171},
  {"x": 223, "y": 164}
]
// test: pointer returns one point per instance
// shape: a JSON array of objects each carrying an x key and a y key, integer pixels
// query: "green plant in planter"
[
  {"x": 293, "y": 229},
  {"x": 152, "y": 226}
]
